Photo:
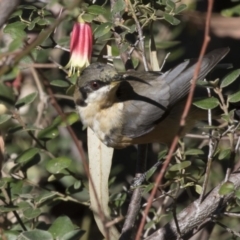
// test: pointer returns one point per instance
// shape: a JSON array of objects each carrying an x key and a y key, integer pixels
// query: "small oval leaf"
[
  {"x": 56, "y": 165},
  {"x": 31, "y": 213},
  {"x": 27, "y": 155},
  {"x": 180, "y": 166},
  {"x": 102, "y": 29},
  {"x": 224, "y": 154},
  {"x": 61, "y": 226},
  {"x": 26, "y": 100},
  {"x": 198, "y": 189},
  {"x": 230, "y": 78},
  {"x": 172, "y": 20},
  {"x": 48, "y": 133},
  {"x": 73, "y": 235},
  {"x": 226, "y": 188},
  {"x": 180, "y": 8},
  {"x": 194, "y": 151},
  {"x": 4, "y": 118},
  {"x": 59, "y": 83},
  {"x": 96, "y": 10},
  {"x": 36, "y": 235},
  {"x": 234, "y": 97},
  {"x": 206, "y": 103}
]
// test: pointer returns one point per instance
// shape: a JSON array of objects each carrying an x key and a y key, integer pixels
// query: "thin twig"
[
  {"x": 212, "y": 147},
  {"x": 228, "y": 229},
  {"x": 140, "y": 35},
  {"x": 230, "y": 214},
  {"x": 42, "y": 103}
]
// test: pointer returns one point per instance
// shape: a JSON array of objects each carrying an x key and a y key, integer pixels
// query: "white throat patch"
[{"x": 99, "y": 95}]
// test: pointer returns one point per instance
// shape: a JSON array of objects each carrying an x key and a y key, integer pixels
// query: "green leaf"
[
  {"x": 88, "y": 17},
  {"x": 31, "y": 26},
  {"x": 230, "y": 78},
  {"x": 118, "y": 6},
  {"x": 70, "y": 118},
  {"x": 15, "y": 44},
  {"x": 42, "y": 22},
  {"x": 148, "y": 188},
  {"x": 171, "y": 4},
  {"x": 226, "y": 188},
  {"x": 207, "y": 84},
  {"x": 149, "y": 224},
  {"x": 16, "y": 30},
  {"x": 150, "y": 172},
  {"x": 224, "y": 154},
  {"x": 162, "y": 154},
  {"x": 45, "y": 196},
  {"x": 35, "y": 235},
  {"x": 10, "y": 235},
  {"x": 73, "y": 235},
  {"x": 77, "y": 184},
  {"x": 102, "y": 29},
  {"x": 234, "y": 97},
  {"x": 54, "y": 177},
  {"x": 169, "y": 18},
  {"x": 6, "y": 94},
  {"x": 27, "y": 155},
  {"x": 180, "y": 166},
  {"x": 198, "y": 189},
  {"x": 60, "y": 227},
  {"x": 56, "y": 165},
  {"x": 206, "y": 103},
  {"x": 59, "y": 83},
  {"x": 4, "y": 181},
  {"x": 26, "y": 100},
  {"x": 96, "y": 10},
  {"x": 4, "y": 118},
  {"x": 30, "y": 7},
  {"x": 166, "y": 44},
  {"x": 26, "y": 163},
  {"x": 48, "y": 133},
  {"x": 17, "y": 13},
  {"x": 180, "y": 8},
  {"x": 10, "y": 75},
  {"x": 231, "y": 11},
  {"x": 8, "y": 209},
  {"x": 237, "y": 193},
  {"x": 194, "y": 151},
  {"x": 24, "y": 205},
  {"x": 31, "y": 213}
]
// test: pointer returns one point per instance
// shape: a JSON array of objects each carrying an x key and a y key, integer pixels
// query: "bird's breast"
[{"x": 105, "y": 122}]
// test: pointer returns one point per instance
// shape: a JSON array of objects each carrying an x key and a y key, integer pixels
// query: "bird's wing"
[{"x": 148, "y": 102}]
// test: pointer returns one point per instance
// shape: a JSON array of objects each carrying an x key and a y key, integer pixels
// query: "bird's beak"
[
  {"x": 114, "y": 84},
  {"x": 79, "y": 98}
]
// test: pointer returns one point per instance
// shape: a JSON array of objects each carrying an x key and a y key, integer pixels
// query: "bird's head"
[{"x": 97, "y": 84}]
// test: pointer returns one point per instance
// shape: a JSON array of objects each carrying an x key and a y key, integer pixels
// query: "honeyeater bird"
[{"x": 139, "y": 107}]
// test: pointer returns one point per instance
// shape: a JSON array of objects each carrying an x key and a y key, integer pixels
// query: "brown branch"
[
  {"x": 133, "y": 210},
  {"x": 194, "y": 217},
  {"x": 183, "y": 119}
]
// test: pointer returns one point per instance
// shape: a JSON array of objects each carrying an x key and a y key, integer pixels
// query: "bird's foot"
[{"x": 137, "y": 181}]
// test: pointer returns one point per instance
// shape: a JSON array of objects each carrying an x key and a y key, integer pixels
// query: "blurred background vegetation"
[{"x": 43, "y": 184}]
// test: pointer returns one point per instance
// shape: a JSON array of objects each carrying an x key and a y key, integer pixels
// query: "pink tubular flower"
[{"x": 80, "y": 47}]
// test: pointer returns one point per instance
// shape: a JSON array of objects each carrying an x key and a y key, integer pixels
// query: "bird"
[{"x": 139, "y": 107}]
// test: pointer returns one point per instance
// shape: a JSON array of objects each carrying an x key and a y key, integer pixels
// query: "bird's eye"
[{"x": 95, "y": 85}]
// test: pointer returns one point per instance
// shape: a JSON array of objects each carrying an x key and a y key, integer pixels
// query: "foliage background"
[{"x": 43, "y": 185}]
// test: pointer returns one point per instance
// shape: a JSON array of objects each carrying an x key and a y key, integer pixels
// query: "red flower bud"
[{"x": 80, "y": 47}]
